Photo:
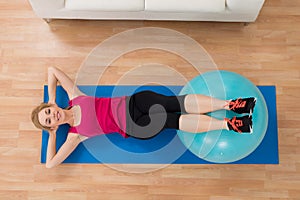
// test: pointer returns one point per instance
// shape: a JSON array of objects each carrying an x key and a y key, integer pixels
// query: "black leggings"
[{"x": 164, "y": 111}]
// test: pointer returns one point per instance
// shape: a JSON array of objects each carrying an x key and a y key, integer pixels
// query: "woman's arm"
[
  {"x": 56, "y": 75},
  {"x": 51, "y": 148},
  {"x": 53, "y": 158},
  {"x": 52, "y": 83}
]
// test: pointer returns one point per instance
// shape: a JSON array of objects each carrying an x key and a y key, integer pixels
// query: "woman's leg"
[
  {"x": 200, "y": 123},
  {"x": 199, "y": 104},
  {"x": 192, "y": 123},
  {"x": 191, "y": 103}
]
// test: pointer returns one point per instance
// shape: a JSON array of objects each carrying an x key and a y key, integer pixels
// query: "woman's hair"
[{"x": 35, "y": 116}]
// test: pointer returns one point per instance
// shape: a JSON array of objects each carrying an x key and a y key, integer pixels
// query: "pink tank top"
[{"x": 100, "y": 115}]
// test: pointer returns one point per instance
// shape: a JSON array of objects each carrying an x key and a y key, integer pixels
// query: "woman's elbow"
[
  {"x": 51, "y": 69},
  {"x": 50, "y": 165}
]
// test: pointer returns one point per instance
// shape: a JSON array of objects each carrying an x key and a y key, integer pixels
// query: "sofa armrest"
[
  {"x": 46, "y": 8},
  {"x": 244, "y": 5},
  {"x": 249, "y": 8}
]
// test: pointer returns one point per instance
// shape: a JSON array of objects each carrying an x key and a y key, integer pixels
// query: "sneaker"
[
  {"x": 242, "y": 105},
  {"x": 240, "y": 124}
]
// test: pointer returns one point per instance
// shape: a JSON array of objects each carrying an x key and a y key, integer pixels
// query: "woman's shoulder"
[
  {"x": 76, "y": 96},
  {"x": 73, "y": 136}
]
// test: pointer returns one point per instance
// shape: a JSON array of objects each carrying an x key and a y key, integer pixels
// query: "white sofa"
[{"x": 181, "y": 10}]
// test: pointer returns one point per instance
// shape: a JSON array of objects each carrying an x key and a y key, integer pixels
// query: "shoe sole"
[{"x": 251, "y": 110}]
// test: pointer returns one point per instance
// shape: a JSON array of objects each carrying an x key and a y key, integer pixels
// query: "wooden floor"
[{"x": 267, "y": 52}]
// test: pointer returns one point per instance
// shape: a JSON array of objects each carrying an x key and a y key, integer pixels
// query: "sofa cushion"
[
  {"x": 105, "y": 5},
  {"x": 185, "y": 6}
]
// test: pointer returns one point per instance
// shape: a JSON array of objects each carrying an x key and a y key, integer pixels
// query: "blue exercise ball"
[{"x": 223, "y": 146}]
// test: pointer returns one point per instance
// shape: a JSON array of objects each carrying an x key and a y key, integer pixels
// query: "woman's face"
[{"x": 52, "y": 116}]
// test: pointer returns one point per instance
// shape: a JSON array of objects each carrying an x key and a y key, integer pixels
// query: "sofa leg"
[
  {"x": 48, "y": 20},
  {"x": 246, "y": 23}
]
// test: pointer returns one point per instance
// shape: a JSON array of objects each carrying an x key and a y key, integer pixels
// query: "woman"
[{"x": 142, "y": 115}]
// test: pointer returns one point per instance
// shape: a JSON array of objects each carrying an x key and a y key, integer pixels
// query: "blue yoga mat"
[{"x": 113, "y": 148}]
